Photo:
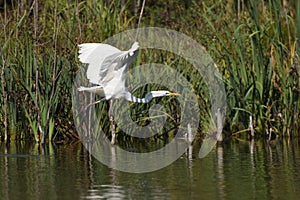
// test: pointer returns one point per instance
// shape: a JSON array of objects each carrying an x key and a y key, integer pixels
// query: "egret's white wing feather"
[
  {"x": 94, "y": 54},
  {"x": 114, "y": 64},
  {"x": 85, "y": 51},
  {"x": 108, "y": 66},
  {"x": 122, "y": 56}
]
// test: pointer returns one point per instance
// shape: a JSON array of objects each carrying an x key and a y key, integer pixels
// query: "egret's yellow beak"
[{"x": 174, "y": 94}]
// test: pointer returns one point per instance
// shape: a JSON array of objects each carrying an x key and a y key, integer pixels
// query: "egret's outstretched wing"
[
  {"x": 105, "y": 61},
  {"x": 94, "y": 54}
]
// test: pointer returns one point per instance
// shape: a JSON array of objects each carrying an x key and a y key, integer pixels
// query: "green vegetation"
[{"x": 255, "y": 44}]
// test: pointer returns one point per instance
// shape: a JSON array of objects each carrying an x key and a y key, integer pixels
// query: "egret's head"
[{"x": 163, "y": 93}]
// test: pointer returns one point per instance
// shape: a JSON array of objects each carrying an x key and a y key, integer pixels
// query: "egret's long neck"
[{"x": 147, "y": 99}]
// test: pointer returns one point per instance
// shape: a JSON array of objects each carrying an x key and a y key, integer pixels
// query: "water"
[{"x": 233, "y": 170}]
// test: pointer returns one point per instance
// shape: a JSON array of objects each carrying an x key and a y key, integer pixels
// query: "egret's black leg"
[{"x": 112, "y": 122}]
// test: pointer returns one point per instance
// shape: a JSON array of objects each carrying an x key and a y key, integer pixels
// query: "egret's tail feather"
[{"x": 81, "y": 89}]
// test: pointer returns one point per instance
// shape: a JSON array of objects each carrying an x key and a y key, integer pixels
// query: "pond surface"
[{"x": 235, "y": 169}]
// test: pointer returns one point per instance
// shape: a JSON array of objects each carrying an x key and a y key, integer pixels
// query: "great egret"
[{"x": 107, "y": 68}]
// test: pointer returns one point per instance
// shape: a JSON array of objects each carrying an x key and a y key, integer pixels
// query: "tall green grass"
[
  {"x": 258, "y": 62},
  {"x": 255, "y": 45},
  {"x": 38, "y": 51}
]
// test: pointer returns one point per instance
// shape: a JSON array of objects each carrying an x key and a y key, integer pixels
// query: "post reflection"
[{"x": 220, "y": 171}]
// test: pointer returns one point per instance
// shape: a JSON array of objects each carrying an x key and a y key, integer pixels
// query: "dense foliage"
[{"x": 255, "y": 44}]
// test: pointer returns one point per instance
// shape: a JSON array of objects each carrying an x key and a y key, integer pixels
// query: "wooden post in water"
[
  {"x": 112, "y": 122},
  {"x": 219, "y": 125},
  {"x": 251, "y": 126}
]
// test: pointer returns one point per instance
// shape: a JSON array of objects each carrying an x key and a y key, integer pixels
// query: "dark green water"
[{"x": 233, "y": 170}]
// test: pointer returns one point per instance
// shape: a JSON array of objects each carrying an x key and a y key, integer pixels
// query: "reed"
[
  {"x": 254, "y": 43},
  {"x": 258, "y": 53},
  {"x": 38, "y": 62}
]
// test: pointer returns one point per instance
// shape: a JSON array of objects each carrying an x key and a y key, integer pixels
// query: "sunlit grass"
[
  {"x": 258, "y": 62},
  {"x": 256, "y": 49}
]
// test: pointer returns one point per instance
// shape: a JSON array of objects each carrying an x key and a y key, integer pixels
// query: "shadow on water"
[{"x": 235, "y": 168}]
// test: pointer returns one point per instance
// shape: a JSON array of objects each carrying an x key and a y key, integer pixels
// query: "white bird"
[{"x": 107, "y": 67}]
